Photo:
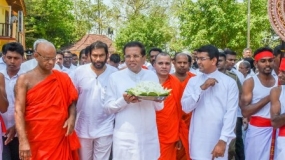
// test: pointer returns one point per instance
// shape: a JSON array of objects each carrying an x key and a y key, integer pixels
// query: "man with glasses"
[
  {"x": 68, "y": 67},
  {"x": 31, "y": 64},
  {"x": 213, "y": 98},
  {"x": 135, "y": 133},
  {"x": 45, "y": 110},
  {"x": 255, "y": 103}
]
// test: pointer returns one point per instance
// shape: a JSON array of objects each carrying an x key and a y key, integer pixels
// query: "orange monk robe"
[
  {"x": 169, "y": 119},
  {"x": 46, "y": 112},
  {"x": 183, "y": 154}
]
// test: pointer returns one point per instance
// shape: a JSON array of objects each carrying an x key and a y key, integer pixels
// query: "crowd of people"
[{"x": 57, "y": 105}]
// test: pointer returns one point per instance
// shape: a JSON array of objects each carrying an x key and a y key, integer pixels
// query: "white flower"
[{"x": 148, "y": 88}]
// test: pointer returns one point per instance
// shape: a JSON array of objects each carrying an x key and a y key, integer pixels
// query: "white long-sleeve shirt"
[
  {"x": 135, "y": 135},
  {"x": 214, "y": 112},
  {"x": 92, "y": 121},
  {"x": 8, "y": 116}
]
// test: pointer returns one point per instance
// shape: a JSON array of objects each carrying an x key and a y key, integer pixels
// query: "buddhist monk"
[
  {"x": 182, "y": 63},
  {"x": 168, "y": 119},
  {"x": 45, "y": 110}
]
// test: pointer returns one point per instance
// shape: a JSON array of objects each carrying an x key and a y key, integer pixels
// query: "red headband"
[
  {"x": 282, "y": 65},
  {"x": 262, "y": 55}
]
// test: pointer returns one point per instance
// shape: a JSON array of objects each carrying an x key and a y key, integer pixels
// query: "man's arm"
[
  {"x": 277, "y": 119},
  {"x": 113, "y": 105},
  {"x": 192, "y": 93},
  {"x": 70, "y": 122},
  {"x": 3, "y": 97},
  {"x": 247, "y": 108},
  {"x": 20, "y": 106}
]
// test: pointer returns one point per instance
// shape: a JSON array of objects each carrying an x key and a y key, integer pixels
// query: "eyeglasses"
[
  {"x": 202, "y": 58},
  {"x": 134, "y": 56},
  {"x": 46, "y": 58},
  {"x": 67, "y": 58}
]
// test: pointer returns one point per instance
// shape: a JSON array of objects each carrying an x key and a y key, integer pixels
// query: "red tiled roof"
[{"x": 87, "y": 40}]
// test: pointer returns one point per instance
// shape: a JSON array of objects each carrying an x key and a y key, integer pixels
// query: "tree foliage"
[
  {"x": 51, "y": 19},
  {"x": 152, "y": 31},
  {"x": 146, "y": 21},
  {"x": 96, "y": 17},
  {"x": 222, "y": 23}
]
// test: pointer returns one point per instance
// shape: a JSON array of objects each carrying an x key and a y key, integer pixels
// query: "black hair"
[
  {"x": 277, "y": 50},
  {"x": 212, "y": 51},
  {"x": 155, "y": 49},
  {"x": 13, "y": 47},
  {"x": 66, "y": 51},
  {"x": 115, "y": 58},
  {"x": 228, "y": 51},
  {"x": 135, "y": 44},
  {"x": 81, "y": 52},
  {"x": 222, "y": 55},
  {"x": 87, "y": 51},
  {"x": 59, "y": 52},
  {"x": 99, "y": 45},
  {"x": 259, "y": 50},
  {"x": 73, "y": 55}
]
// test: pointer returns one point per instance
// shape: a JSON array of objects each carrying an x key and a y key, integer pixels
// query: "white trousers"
[{"x": 96, "y": 149}]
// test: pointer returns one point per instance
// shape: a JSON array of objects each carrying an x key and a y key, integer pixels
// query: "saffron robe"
[
  {"x": 47, "y": 105},
  {"x": 183, "y": 154},
  {"x": 169, "y": 120}
]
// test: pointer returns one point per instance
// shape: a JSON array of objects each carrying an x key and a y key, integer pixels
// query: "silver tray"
[{"x": 152, "y": 98}]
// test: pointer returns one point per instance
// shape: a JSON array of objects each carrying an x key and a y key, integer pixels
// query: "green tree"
[
  {"x": 97, "y": 17},
  {"x": 152, "y": 31},
  {"x": 222, "y": 23},
  {"x": 53, "y": 20}
]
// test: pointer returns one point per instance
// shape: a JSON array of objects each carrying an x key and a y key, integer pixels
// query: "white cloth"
[
  {"x": 257, "y": 142},
  {"x": 258, "y": 139},
  {"x": 31, "y": 64},
  {"x": 280, "y": 141},
  {"x": 214, "y": 113},
  {"x": 69, "y": 71},
  {"x": 2, "y": 64},
  {"x": 135, "y": 134},
  {"x": 241, "y": 79},
  {"x": 195, "y": 71},
  {"x": 92, "y": 121},
  {"x": 95, "y": 149},
  {"x": 259, "y": 92},
  {"x": 8, "y": 116}
]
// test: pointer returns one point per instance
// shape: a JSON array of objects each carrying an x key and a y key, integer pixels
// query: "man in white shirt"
[
  {"x": 68, "y": 67},
  {"x": 213, "y": 98},
  {"x": 13, "y": 57},
  {"x": 247, "y": 53},
  {"x": 2, "y": 62},
  {"x": 230, "y": 62},
  {"x": 255, "y": 103},
  {"x": 135, "y": 134},
  {"x": 94, "y": 127}
]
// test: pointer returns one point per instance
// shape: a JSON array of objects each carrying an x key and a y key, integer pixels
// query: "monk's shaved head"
[
  {"x": 184, "y": 55},
  {"x": 162, "y": 54}
]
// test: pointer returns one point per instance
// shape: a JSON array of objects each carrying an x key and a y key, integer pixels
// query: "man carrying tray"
[{"x": 135, "y": 134}]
